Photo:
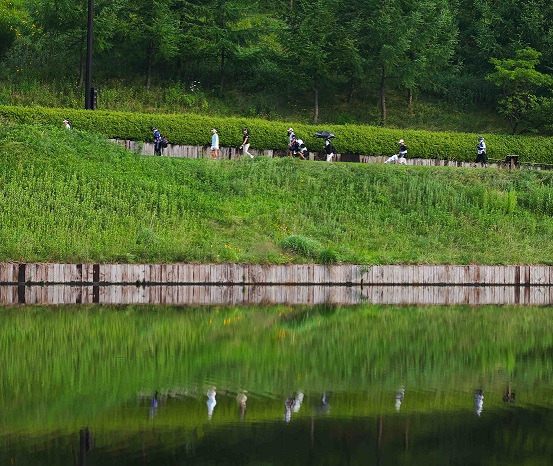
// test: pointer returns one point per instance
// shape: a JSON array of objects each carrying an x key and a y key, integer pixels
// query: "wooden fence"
[
  {"x": 196, "y": 152},
  {"x": 195, "y": 295},
  {"x": 290, "y": 274}
]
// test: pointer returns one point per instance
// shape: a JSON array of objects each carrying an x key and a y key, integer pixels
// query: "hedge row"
[{"x": 368, "y": 140}]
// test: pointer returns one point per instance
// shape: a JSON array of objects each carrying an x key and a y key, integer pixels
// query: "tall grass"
[{"x": 72, "y": 196}]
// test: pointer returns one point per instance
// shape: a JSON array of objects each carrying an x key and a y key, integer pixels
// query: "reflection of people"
[
  {"x": 288, "y": 404},
  {"x": 324, "y": 407},
  {"x": 509, "y": 395},
  {"x": 298, "y": 400},
  {"x": 214, "y": 144},
  {"x": 241, "y": 400},
  {"x": 399, "y": 398},
  {"x": 154, "y": 405},
  {"x": 211, "y": 401},
  {"x": 478, "y": 401}
]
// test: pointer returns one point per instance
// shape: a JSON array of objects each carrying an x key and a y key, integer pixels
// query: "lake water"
[{"x": 277, "y": 384}]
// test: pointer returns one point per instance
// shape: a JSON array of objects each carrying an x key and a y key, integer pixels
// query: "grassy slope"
[{"x": 75, "y": 197}]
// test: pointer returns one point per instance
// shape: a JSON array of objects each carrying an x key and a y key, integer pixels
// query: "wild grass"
[{"x": 73, "y": 196}]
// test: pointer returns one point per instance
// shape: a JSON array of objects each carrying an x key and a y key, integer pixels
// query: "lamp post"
[{"x": 88, "y": 85}]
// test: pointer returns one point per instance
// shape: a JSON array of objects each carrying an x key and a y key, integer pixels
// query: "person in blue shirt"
[
  {"x": 157, "y": 142},
  {"x": 481, "y": 148}
]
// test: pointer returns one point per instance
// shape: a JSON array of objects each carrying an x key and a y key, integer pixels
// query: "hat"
[
  {"x": 480, "y": 138},
  {"x": 65, "y": 121},
  {"x": 401, "y": 141},
  {"x": 213, "y": 130},
  {"x": 290, "y": 129}
]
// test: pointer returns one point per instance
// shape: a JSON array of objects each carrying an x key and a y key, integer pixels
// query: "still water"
[{"x": 328, "y": 384}]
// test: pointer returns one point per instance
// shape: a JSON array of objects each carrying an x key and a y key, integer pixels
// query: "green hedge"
[{"x": 368, "y": 140}]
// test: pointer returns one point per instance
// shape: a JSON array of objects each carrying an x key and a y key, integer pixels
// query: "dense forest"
[{"x": 485, "y": 54}]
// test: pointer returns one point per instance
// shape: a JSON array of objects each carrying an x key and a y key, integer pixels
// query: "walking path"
[{"x": 196, "y": 152}]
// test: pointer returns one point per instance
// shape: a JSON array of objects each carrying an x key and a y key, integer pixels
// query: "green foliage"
[
  {"x": 301, "y": 245},
  {"x": 191, "y": 129},
  {"x": 519, "y": 82}
]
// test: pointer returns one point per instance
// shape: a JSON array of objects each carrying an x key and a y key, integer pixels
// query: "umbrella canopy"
[{"x": 324, "y": 135}]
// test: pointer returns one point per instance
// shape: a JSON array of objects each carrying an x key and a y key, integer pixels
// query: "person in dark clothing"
[
  {"x": 158, "y": 148},
  {"x": 297, "y": 147},
  {"x": 246, "y": 143},
  {"x": 330, "y": 150},
  {"x": 401, "y": 156},
  {"x": 481, "y": 148}
]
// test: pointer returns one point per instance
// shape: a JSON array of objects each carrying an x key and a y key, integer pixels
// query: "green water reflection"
[{"x": 377, "y": 384}]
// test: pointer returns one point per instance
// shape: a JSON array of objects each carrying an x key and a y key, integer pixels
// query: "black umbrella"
[{"x": 324, "y": 135}]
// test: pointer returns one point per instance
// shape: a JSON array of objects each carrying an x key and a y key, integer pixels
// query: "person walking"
[
  {"x": 158, "y": 149},
  {"x": 67, "y": 124},
  {"x": 401, "y": 156},
  {"x": 330, "y": 150},
  {"x": 291, "y": 141},
  {"x": 214, "y": 144},
  {"x": 246, "y": 143},
  {"x": 481, "y": 149}
]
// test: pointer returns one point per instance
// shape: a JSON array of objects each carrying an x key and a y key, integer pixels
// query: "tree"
[
  {"x": 519, "y": 81},
  {"x": 313, "y": 44},
  {"x": 407, "y": 43},
  {"x": 151, "y": 32}
]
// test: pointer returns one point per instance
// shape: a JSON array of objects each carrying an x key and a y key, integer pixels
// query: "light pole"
[{"x": 88, "y": 84}]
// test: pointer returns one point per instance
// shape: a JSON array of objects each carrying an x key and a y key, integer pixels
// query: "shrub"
[
  {"x": 328, "y": 256},
  {"x": 189, "y": 129},
  {"x": 301, "y": 245}
]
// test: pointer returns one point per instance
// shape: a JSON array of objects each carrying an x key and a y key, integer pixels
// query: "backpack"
[{"x": 164, "y": 142}]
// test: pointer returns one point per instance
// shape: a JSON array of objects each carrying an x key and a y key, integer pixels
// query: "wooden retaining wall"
[
  {"x": 249, "y": 274},
  {"x": 197, "y": 152},
  {"x": 194, "y": 295}
]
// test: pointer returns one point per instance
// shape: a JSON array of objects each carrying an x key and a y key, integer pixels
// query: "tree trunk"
[
  {"x": 316, "y": 112},
  {"x": 149, "y": 68},
  {"x": 350, "y": 90},
  {"x": 383, "y": 97},
  {"x": 81, "y": 61},
  {"x": 222, "y": 70},
  {"x": 410, "y": 97}
]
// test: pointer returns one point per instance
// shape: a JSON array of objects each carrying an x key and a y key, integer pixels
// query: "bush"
[
  {"x": 307, "y": 247},
  {"x": 189, "y": 129}
]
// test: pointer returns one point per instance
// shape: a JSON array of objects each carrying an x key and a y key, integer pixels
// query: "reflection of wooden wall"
[
  {"x": 247, "y": 295},
  {"x": 344, "y": 274}
]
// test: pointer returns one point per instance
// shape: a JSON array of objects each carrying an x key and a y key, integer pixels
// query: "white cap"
[
  {"x": 401, "y": 141},
  {"x": 66, "y": 121},
  {"x": 290, "y": 129},
  {"x": 213, "y": 130}
]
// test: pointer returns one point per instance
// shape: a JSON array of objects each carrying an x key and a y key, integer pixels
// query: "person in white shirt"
[
  {"x": 214, "y": 144},
  {"x": 67, "y": 124}
]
